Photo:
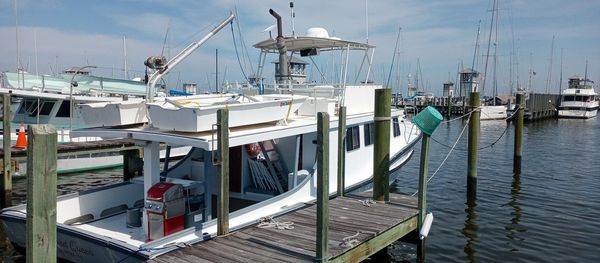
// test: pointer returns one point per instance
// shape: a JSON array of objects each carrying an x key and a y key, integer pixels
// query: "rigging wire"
[{"x": 236, "y": 53}]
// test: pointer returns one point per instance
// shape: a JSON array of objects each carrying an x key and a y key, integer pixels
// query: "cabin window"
[
  {"x": 396, "y": 126},
  {"x": 63, "y": 111},
  {"x": 46, "y": 108},
  {"x": 369, "y": 133},
  {"x": 352, "y": 138}
]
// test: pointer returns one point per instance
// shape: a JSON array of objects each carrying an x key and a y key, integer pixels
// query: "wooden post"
[
  {"x": 6, "y": 188},
  {"x": 519, "y": 119},
  {"x": 341, "y": 163},
  {"x": 473, "y": 144},
  {"x": 422, "y": 205},
  {"x": 223, "y": 171},
  {"x": 322, "y": 249},
  {"x": 41, "y": 193},
  {"x": 381, "y": 150},
  {"x": 449, "y": 113},
  {"x": 132, "y": 164}
]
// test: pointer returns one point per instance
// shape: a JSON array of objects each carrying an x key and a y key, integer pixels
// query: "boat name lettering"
[{"x": 72, "y": 248}]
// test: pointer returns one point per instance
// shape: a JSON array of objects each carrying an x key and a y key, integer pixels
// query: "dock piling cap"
[{"x": 428, "y": 120}]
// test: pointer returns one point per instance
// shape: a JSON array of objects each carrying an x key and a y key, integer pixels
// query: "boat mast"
[
  {"x": 549, "y": 79},
  {"x": 476, "y": 45},
  {"x": 487, "y": 56},
  {"x": 496, "y": 62},
  {"x": 561, "y": 73}
]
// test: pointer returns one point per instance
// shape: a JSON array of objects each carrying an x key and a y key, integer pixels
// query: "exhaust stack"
[{"x": 283, "y": 69}]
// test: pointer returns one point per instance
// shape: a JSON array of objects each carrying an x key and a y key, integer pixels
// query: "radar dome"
[{"x": 317, "y": 32}]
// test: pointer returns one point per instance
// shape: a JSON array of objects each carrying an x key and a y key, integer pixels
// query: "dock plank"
[{"x": 375, "y": 226}]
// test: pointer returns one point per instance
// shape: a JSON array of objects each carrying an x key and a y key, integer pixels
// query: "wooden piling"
[
  {"x": 322, "y": 250},
  {"x": 6, "y": 187},
  {"x": 519, "y": 119},
  {"x": 381, "y": 149},
  {"x": 422, "y": 205},
  {"x": 223, "y": 171},
  {"x": 341, "y": 152},
  {"x": 449, "y": 112},
  {"x": 41, "y": 193},
  {"x": 473, "y": 144}
]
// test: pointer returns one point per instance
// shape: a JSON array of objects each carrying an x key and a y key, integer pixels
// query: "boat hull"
[
  {"x": 493, "y": 113},
  {"x": 578, "y": 114}
]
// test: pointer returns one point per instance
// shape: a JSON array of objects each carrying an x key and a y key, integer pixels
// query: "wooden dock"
[
  {"x": 78, "y": 148},
  {"x": 356, "y": 231}
]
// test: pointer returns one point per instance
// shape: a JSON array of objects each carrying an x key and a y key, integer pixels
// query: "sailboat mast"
[
  {"x": 549, "y": 79},
  {"x": 125, "y": 56},
  {"x": 488, "y": 47},
  {"x": 561, "y": 73},
  {"x": 476, "y": 45}
]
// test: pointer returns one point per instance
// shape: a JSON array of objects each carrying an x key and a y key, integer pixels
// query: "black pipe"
[{"x": 279, "y": 26}]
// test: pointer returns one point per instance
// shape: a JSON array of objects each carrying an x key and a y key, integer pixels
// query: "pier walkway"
[{"x": 357, "y": 230}]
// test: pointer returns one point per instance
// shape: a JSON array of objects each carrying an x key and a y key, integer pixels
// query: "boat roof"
[
  {"x": 297, "y": 44},
  {"x": 237, "y": 135},
  {"x": 56, "y": 96}
]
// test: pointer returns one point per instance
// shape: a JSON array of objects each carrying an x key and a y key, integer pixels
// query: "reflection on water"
[
  {"x": 513, "y": 228},
  {"x": 470, "y": 231}
]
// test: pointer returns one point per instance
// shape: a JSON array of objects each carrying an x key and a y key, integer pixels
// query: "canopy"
[{"x": 297, "y": 44}]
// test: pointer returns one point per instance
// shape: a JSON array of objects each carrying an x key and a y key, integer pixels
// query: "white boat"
[
  {"x": 127, "y": 222},
  {"x": 491, "y": 112},
  {"x": 197, "y": 114},
  {"x": 579, "y": 100}
]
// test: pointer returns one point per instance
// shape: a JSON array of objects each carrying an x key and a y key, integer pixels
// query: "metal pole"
[
  {"x": 381, "y": 150},
  {"x": 341, "y": 163},
  {"x": 223, "y": 171},
  {"x": 473, "y": 144},
  {"x": 216, "y": 70},
  {"x": 518, "y": 151},
  {"x": 322, "y": 186}
]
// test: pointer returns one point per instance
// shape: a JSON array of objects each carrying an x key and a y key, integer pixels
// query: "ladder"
[{"x": 276, "y": 165}]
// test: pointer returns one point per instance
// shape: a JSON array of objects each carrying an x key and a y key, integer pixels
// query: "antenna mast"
[{"x": 293, "y": 15}]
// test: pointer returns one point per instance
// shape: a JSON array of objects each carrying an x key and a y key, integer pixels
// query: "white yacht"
[{"x": 579, "y": 100}]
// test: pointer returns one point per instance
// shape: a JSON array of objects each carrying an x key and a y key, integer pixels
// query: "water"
[{"x": 549, "y": 213}]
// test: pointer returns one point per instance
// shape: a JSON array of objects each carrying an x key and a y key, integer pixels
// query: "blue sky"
[{"x": 440, "y": 34}]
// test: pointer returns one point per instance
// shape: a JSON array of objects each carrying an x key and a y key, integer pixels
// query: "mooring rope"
[
  {"x": 447, "y": 155},
  {"x": 350, "y": 241},
  {"x": 367, "y": 202},
  {"x": 268, "y": 222}
]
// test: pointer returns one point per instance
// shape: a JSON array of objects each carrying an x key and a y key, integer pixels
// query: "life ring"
[{"x": 253, "y": 149}]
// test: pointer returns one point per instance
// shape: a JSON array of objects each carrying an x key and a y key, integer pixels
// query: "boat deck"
[{"x": 356, "y": 231}]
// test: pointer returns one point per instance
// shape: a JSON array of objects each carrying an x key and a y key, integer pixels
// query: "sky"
[{"x": 436, "y": 38}]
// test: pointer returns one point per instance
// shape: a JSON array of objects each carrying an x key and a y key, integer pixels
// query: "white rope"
[
  {"x": 367, "y": 202},
  {"x": 449, "y": 152},
  {"x": 268, "y": 222},
  {"x": 350, "y": 241}
]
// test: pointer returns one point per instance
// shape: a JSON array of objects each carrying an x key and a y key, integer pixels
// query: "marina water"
[{"x": 549, "y": 213}]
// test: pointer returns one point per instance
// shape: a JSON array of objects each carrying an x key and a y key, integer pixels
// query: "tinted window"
[
  {"x": 396, "y": 126},
  {"x": 369, "y": 133},
  {"x": 63, "y": 111},
  {"x": 352, "y": 138},
  {"x": 47, "y": 108}
]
